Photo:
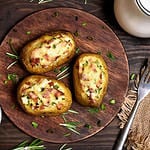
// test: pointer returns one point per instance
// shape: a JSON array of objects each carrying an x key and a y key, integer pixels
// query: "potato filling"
[
  {"x": 91, "y": 76},
  {"x": 51, "y": 49},
  {"x": 42, "y": 95}
]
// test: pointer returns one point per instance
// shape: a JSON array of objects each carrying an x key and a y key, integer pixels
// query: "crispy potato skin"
[
  {"x": 49, "y": 106},
  {"x": 48, "y": 52},
  {"x": 81, "y": 96}
]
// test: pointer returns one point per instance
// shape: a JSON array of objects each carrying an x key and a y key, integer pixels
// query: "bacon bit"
[
  {"x": 32, "y": 95},
  {"x": 34, "y": 61},
  {"x": 42, "y": 107},
  {"x": 92, "y": 101},
  {"x": 51, "y": 84},
  {"x": 59, "y": 106},
  {"x": 46, "y": 56},
  {"x": 58, "y": 93},
  {"x": 46, "y": 93}
]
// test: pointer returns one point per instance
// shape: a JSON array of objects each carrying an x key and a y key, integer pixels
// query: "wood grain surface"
[
  {"x": 137, "y": 49},
  {"x": 91, "y": 35}
]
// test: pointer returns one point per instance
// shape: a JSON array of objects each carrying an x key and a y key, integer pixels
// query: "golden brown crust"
[
  {"x": 48, "y": 52},
  {"x": 89, "y": 87},
  {"x": 40, "y": 95}
]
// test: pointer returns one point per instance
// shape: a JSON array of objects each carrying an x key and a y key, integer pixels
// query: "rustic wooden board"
[{"x": 93, "y": 36}]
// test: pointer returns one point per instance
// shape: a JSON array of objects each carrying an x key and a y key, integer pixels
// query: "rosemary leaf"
[
  {"x": 13, "y": 56},
  {"x": 11, "y": 64},
  {"x": 63, "y": 147},
  {"x": 73, "y": 111}
]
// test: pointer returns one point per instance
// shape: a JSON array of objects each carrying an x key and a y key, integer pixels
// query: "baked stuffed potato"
[
  {"x": 90, "y": 76},
  {"x": 48, "y": 52},
  {"x": 40, "y": 95}
]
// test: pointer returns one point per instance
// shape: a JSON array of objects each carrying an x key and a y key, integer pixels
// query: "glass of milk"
[{"x": 133, "y": 16}]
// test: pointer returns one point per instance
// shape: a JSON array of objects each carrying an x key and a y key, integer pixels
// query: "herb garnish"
[
  {"x": 112, "y": 101},
  {"x": 11, "y": 77},
  {"x": 13, "y": 55},
  {"x": 132, "y": 76},
  {"x": 70, "y": 125},
  {"x": 110, "y": 56},
  {"x": 84, "y": 24},
  {"x": 42, "y": 1},
  {"x": 35, "y": 145},
  {"x": 63, "y": 147},
  {"x": 63, "y": 72},
  {"x": 28, "y": 32},
  {"x": 77, "y": 50},
  {"x": 34, "y": 124}
]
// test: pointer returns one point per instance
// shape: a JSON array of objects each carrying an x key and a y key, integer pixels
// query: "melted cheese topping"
[
  {"x": 91, "y": 76},
  {"x": 50, "y": 49},
  {"x": 42, "y": 95}
]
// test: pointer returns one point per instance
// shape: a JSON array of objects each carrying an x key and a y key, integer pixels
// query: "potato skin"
[
  {"x": 86, "y": 82},
  {"x": 48, "y": 52},
  {"x": 40, "y": 95}
]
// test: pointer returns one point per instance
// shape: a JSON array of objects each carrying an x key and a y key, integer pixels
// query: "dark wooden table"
[{"x": 137, "y": 49}]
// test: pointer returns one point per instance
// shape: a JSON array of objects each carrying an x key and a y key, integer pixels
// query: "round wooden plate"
[{"x": 91, "y": 35}]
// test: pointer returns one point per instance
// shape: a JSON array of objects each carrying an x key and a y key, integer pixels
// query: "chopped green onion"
[
  {"x": 76, "y": 33},
  {"x": 88, "y": 126},
  {"x": 12, "y": 77},
  {"x": 84, "y": 24},
  {"x": 110, "y": 56},
  {"x": 103, "y": 106},
  {"x": 28, "y": 32},
  {"x": 112, "y": 101},
  {"x": 34, "y": 124},
  {"x": 77, "y": 50},
  {"x": 132, "y": 77},
  {"x": 93, "y": 110}
]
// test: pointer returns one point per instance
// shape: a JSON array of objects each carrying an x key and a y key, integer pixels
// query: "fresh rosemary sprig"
[
  {"x": 70, "y": 125},
  {"x": 42, "y": 1},
  {"x": 45, "y": 1},
  {"x": 34, "y": 145},
  {"x": 13, "y": 55},
  {"x": 63, "y": 147}
]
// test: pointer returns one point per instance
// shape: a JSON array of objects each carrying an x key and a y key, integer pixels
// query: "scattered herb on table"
[
  {"x": 11, "y": 77},
  {"x": 34, "y": 124},
  {"x": 71, "y": 126},
  {"x": 63, "y": 147},
  {"x": 103, "y": 106},
  {"x": 87, "y": 126},
  {"x": 111, "y": 56},
  {"x": 93, "y": 110},
  {"x": 77, "y": 50},
  {"x": 42, "y": 1},
  {"x": 112, "y": 101},
  {"x": 13, "y": 55},
  {"x": 132, "y": 76},
  {"x": 84, "y": 24},
  {"x": 34, "y": 145},
  {"x": 63, "y": 72},
  {"x": 28, "y": 32}
]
